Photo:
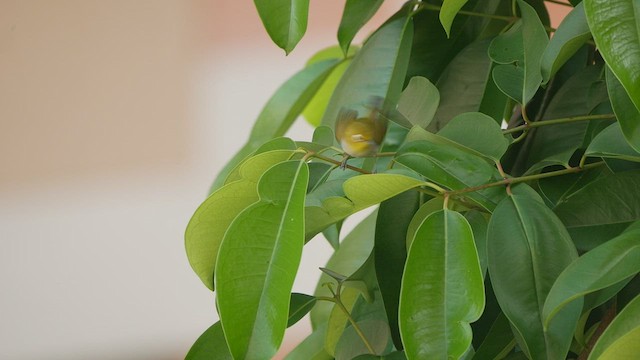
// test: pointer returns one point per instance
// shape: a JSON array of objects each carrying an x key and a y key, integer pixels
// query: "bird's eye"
[{"x": 357, "y": 137}]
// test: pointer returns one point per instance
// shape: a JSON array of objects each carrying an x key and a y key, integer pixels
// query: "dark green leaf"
[
  {"x": 535, "y": 40},
  {"x": 610, "y": 143},
  {"x": 498, "y": 342},
  {"x": 285, "y": 20},
  {"x": 299, "y": 306},
  {"x": 394, "y": 216},
  {"x": 442, "y": 288},
  {"x": 479, "y": 224},
  {"x": 419, "y": 101},
  {"x": 211, "y": 345},
  {"x": 479, "y": 132},
  {"x": 356, "y": 13},
  {"x": 628, "y": 115},
  {"x": 258, "y": 260},
  {"x": 615, "y": 24},
  {"x": 528, "y": 248},
  {"x": 572, "y": 33}
]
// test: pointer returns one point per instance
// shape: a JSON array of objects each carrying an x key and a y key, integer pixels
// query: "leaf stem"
[
  {"x": 515, "y": 180},
  {"x": 355, "y": 325},
  {"x": 336, "y": 162},
  {"x": 535, "y": 124}
]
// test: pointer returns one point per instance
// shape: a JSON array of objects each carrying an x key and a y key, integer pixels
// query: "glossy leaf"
[
  {"x": 211, "y": 345},
  {"x": 615, "y": 24},
  {"x": 610, "y": 143},
  {"x": 479, "y": 225},
  {"x": 608, "y": 200},
  {"x": 299, "y": 306},
  {"x": 378, "y": 69},
  {"x": 354, "y": 250},
  {"x": 208, "y": 224},
  {"x": 528, "y": 248},
  {"x": 284, "y": 20},
  {"x": 394, "y": 216},
  {"x": 614, "y": 260},
  {"x": 356, "y": 13},
  {"x": 419, "y": 101},
  {"x": 448, "y": 12},
  {"x": 442, "y": 289},
  {"x": 621, "y": 339},
  {"x": 572, "y": 33},
  {"x": 258, "y": 260},
  {"x": 479, "y": 132},
  {"x": 628, "y": 115},
  {"x": 280, "y": 111}
]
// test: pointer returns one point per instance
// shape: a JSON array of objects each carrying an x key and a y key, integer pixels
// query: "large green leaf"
[
  {"x": 258, "y": 260},
  {"x": 378, "y": 69},
  {"x": 621, "y": 340},
  {"x": 211, "y": 345},
  {"x": 312, "y": 347},
  {"x": 610, "y": 143},
  {"x": 394, "y": 216},
  {"x": 608, "y": 200},
  {"x": 210, "y": 221},
  {"x": 479, "y": 225},
  {"x": 448, "y": 12},
  {"x": 498, "y": 342},
  {"x": 479, "y": 132},
  {"x": 572, "y": 33},
  {"x": 280, "y": 111},
  {"x": 528, "y": 248},
  {"x": 338, "y": 319},
  {"x": 442, "y": 289},
  {"x": 353, "y": 252},
  {"x": 615, "y": 25},
  {"x": 285, "y": 20},
  {"x": 614, "y": 260},
  {"x": 628, "y": 115},
  {"x": 356, "y": 13},
  {"x": 419, "y": 101}
]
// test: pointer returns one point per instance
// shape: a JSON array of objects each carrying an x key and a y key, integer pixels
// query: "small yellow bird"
[{"x": 361, "y": 137}]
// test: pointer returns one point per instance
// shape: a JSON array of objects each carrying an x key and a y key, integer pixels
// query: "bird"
[{"x": 361, "y": 136}]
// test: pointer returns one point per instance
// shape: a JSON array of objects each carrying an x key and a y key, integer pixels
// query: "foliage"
[{"x": 507, "y": 190}]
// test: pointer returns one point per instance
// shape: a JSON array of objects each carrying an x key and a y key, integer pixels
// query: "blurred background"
[{"x": 115, "y": 117}]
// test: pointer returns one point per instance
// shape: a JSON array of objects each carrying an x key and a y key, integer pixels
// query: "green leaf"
[
  {"x": 535, "y": 40},
  {"x": 338, "y": 319},
  {"x": 299, "y": 306},
  {"x": 498, "y": 342},
  {"x": 479, "y": 132},
  {"x": 394, "y": 216},
  {"x": 628, "y": 115},
  {"x": 212, "y": 218},
  {"x": 353, "y": 252},
  {"x": 621, "y": 339},
  {"x": 356, "y": 13},
  {"x": 615, "y": 26},
  {"x": 528, "y": 248},
  {"x": 378, "y": 69},
  {"x": 442, "y": 289},
  {"x": 312, "y": 347},
  {"x": 280, "y": 111},
  {"x": 211, "y": 345},
  {"x": 614, "y": 260},
  {"x": 608, "y": 200},
  {"x": 572, "y": 33},
  {"x": 610, "y": 143},
  {"x": 316, "y": 107},
  {"x": 479, "y": 225},
  {"x": 419, "y": 101},
  {"x": 448, "y": 12},
  {"x": 284, "y": 20},
  {"x": 258, "y": 260}
]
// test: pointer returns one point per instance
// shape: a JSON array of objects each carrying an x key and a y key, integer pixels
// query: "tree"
[{"x": 507, "y": 190}]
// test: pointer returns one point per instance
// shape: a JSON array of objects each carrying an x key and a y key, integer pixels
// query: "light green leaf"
[
  {"x": 258, "y": 260},
  {"x": 280, "y": 111},
  {"x": 479, "y": 132},
  {"x": 610, "y": 143},
  {"x": 621, "y": 339},
  {"x": 604, "y": 266},
  {"x": 353, "y": 252},
  {"x": 312, "y": 347},
  {"x": 212, "y": 218},
  {"x": 572, "y": 33},
  {"x": 284, "y": 20},
  {"x": 338, "y": 319},
  {"x": 426, "y": 209},
  {"x": 448, "y": 12},
  {"x": 615, "y": 25},
  {"x": 628, "y": 115},
  {"x": 528, "y": 248},
  {"x": 419, "y": 101},
  {"x": 378, "y": 69},
  {"x": 368, "y": 190},
  {"x": 356, "y": 13},
  {"x": 442, "y": 289},
  {"x": 211, "y": 345}
]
